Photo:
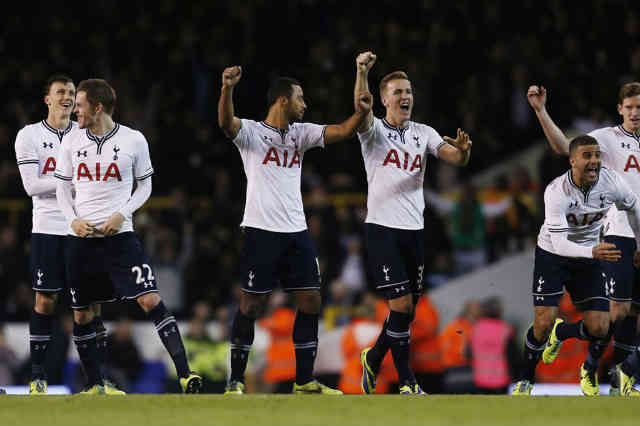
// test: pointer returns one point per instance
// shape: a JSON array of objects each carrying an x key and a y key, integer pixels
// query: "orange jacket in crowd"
[
  {"x": 281, "y": 355},
  {"x": 566, "y": 367},
  {"x": 454, "y": 341},
  {"x": 425, "y": 342},
  {"x": 359, "y": 334}
]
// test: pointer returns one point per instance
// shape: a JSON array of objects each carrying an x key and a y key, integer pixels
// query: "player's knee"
[
  {"x": 254, "y": 310},
  {"x": 45, "y": 303},
  {"x": 309, "y": 302},
  {"x": 403, "y": 305},
  {"x": 542, "y": 326},
  {"x": 149, "y": 301},
  {"x": 619, "y": 310},
  {"x": 598, "y": 328},
  {"x": 83, "y": 316}
]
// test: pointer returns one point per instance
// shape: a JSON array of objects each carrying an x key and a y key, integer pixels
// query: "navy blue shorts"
[
  {"x": 584, "y": 279},
  {"x": 47, "y": 262},
  {"x": 396, "y": 260},
  {"x": 623, "y": 279},
  {"x": 286, "y": 258},
  {"x": 120, "y": 257}
]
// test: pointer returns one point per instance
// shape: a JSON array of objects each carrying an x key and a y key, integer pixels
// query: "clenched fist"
[
  {"x": 231, "y": 76},
  {"x": 537, "y": 97},
  {"x": 365, "y": 61}
]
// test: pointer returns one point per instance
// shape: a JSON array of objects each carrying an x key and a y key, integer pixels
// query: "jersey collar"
[
  {"x": 635, "y": 135},
  {"x": 100, "y": 140},
  {"x": 59, "y": 133}
]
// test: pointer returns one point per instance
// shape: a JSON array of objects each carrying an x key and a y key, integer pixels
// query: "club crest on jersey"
[
  {"x": 115, "y": 152},
  {"x": 282, "y": 160},
  {"x": 407, "y": 164},
  {"x": 47, "y": 145},
  {"x": 417, "y": 139},
  {"x": 82, "y": 153},
  {"x": 603, "y": 198}
]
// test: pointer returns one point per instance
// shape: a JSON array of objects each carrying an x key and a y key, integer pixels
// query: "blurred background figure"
[
  {"x": 494, "y": 352},
  {"x": 468, "y": 229},
  {"x": 124, "y": 361},
  {"x": 455, "y": 341},
  {"x": 9, "y": 362},
  {"x": 425, "y": 355}
]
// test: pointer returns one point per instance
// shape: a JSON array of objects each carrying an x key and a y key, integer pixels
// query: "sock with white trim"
[
  {"x": 398, "y": 336},
  {"x": 305, "y": 341},
  {"x": 242, "y": 333},
  {"x": 169, "y": 333},
  {"x": 84, "y": 336},
  {"x": 40, "y": 327}
]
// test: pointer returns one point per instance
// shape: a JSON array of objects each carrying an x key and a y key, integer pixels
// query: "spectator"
[
  {"x": 468, "y": 231},
  {"x": 124, "y": 361},
  {"x": 9, "y": 362},
  {"x": 426, "y": 361}
]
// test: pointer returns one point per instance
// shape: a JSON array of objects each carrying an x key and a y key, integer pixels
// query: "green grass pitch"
[{"x": 317, "y": 410}]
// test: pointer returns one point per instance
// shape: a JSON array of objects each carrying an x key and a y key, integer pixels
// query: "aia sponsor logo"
[
  {"x": 282, "y": 159},
  {"x": 404, "y": 160},
  {"x": 49, "y": 166},
  {"x": 112, "y": 172}
]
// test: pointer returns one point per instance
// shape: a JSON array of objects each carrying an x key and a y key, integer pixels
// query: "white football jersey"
[
  {"x": 581, "y": 214},
  {"x": 102, "y": 170},
  {"x": 272, "y": 161},
  {"x": 620, "y": 152},
  {"x": 37, "y": 145},
  {"x": 395, "y": 160}
]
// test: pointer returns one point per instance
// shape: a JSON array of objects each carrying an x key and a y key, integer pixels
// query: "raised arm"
[
  {"x": 347, "y": 129},
  {"x": 364, "y": 62},
  {"x": 537, "y": 97},
  {"x": 229, "y": 124},
  {"x": 456, "y": 151}
]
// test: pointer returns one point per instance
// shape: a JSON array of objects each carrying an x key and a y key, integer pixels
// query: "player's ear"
[{"x": 98, "y": 108}]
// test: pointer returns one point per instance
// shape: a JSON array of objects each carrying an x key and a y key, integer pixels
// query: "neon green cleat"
[
  {"x": 191, "y": 384},
  {"x": 93, "y": 390},
  {"x": 589, "y": 382},
  {"x": 553, "y": 345},
  {"x": 234, "y": 388},
  {"x": 522, "y": 388},
  {"x": 614, "y": 381},
  {"x": 314, "y": 387},
  {"x": 368, "y": 383},
  {"x": 413, "y": 389},
  {"x": 38, "y": 387},
  {"x": 627, "y": 384},
  {"x": 111, "y": 389}
]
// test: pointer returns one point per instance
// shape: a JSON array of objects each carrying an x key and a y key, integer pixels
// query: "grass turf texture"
[{"x": 316, "y": 410}]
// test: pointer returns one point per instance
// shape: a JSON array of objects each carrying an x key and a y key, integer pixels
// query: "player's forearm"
[
  {"x": 362, "y": 86},
  {"x": 33, "y": 185},
  {"x": 552, "y": 132},
  {"x": 567, "y": 248},
  {"x": 64, "y": 195},
  {"x": 225, "y": 110},
  {"x": 633, "y": 215},
  {"x": 346, "y": 129},
  {"x": 138, "y": 198}
]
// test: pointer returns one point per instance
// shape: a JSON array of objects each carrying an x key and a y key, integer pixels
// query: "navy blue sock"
[
  {"x": 532, "y": 353},
  {"x": 398, "y": 336},
  {"x": 623, "y": 338},
  {"x": 242, "y": 332},
  {"x": 169, "y": 333},
  {"x": 597, "y": 346},
  {"x": 40, "y": 327},
  {"x": 101, "y": 344},
  {"x": 378, "y": 351},
  {"x": 305, "y": 341},
  {"x": 84, "y": 336},
  {"x": 576, "y": 330}
]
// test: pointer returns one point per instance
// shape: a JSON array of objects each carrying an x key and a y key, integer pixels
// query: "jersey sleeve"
[
  {"x": 554, "y": 212},
  {"x": 603, "y": 140},
  {"x": 142, "y": 167},
  {"x": 64, "y": 167},
  {"x": 243, "y": 137},
  {"x": 312, "y": 136},
  {"x": 625, "y": 198},
  {"x": 25, "y": 149},
  {"x": 369, "y": 136},
  {"x": 434, "y": 141}
]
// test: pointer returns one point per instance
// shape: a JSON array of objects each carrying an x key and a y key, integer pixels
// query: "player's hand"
[
  {"x": 365, "y": 61},
  {"x": 364, "y": 102},
  {"x": 636, "y": 259},
  {"x": 607, "y": 251},
  {"x": 462, "y": 141},
  {"x": 82, "y": 227},
  {"x": 112, "y": 225},
  {"x": 537, "y": 97},
  {"x": 231, "y": 76}
]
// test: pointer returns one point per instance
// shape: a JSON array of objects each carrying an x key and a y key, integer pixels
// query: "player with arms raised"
[
  {"x": 395, "y": 151},
  {"x": 620, "y": 146},
  {"x": 570, "y": 254},
  {"x": 277, "y": 244},
  {"x": 101, "y": 160}
]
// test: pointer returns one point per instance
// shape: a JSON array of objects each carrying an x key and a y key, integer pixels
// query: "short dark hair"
[
  {"x": 396, "y": 75},
  {"x": 581, "y": 140},
  {"x": 628, "y": 90},
  {"x": 281, "y": 86},
  {"x": 56, "y": 78},
  {"x": 99, "y": 92}
]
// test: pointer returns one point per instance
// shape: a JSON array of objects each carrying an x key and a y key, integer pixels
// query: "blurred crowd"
[{"x": 470, "y": 65}]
